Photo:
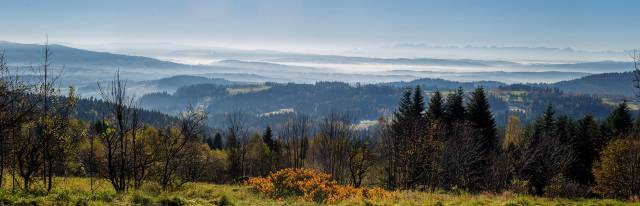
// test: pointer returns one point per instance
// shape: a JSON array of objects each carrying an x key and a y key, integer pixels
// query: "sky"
[{"x": 327, "y": 24}]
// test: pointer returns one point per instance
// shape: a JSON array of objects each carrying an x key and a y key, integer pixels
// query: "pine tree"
[
  {"x": 481, "y": 118},
  {"x": 584, "y": 150},
  {"x": 545, "y": 156},
  {"x": 401, "y": 129},
  {"x": 403, "y": 114},
  {"x": 267, "y": 137},
  {"x": 565, "y": 130},
  {"x": 410, "y": 132},
  {"x": 418, "y": 103},
  {"x": 620, "y": 120},
  {"x": 217, "y": 141},
  {"x": 547, "y": 123},
  {"x": 455, "y": 111},
  {"x": 436, "y": 110}
]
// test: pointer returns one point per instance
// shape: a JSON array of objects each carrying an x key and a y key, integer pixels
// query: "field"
[
  {"x": 632, "y": 105},
  {"x": 77, "y": 191}
]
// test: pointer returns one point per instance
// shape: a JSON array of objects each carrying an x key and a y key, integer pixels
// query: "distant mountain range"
[
  {"x": 31, "y": 54},
  {"x": 84, "y": 67},
  {"x": 509, "y": 53}
]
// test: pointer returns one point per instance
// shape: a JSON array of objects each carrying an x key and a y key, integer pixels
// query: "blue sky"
[{"x": 339, "y": 24}]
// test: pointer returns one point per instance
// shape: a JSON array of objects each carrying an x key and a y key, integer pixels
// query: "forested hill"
[
  {"x": 364, "y": 102},
  {"x": 442, "y": 84},
  {"x": 604, "y": 84},
  {"x": 31, "y": 54},
  {"x": 92, "y": 110}
]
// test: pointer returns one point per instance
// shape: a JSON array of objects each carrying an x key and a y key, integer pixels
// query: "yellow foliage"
[
  {"x": 311, "y": 185},
  {"x": 617, "y": 173},
  {"x": 513, "y": 133}
]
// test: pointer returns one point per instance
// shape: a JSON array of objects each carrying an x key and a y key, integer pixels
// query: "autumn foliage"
[
  {"x": 310, "y": 185},
  {"x": 618, "y": 171}
]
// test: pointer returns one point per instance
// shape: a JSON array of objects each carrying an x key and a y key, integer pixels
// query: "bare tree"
[
  {"x": 361, "y": 156},
  {"x": 387, "y": 151},
  {"x": 120, "y": 104},
  {"x": 28, "y": 158},
  {"x": 295, "y": 135},
  {"x": 171, "y": 149},
  {"x": 237, "y": 139},
  {"x": 332, "y": 145},
  {"x": 49, "y": 132},
  {"x": 142, "y": 157},
  {"x": 15, "y": 110}
]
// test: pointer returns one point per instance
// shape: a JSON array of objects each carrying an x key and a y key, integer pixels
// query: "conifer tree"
[
  {"x": 584, "y": 150},
  {"x": 395, "y": 168},
  {"x": 565, "y": 130},
  {"x": 418, "y": 103},
  {"x": 620, "y": 120},
  {"x": 436, "y": 110},
  {"x": 545, "y": 156},
  {"x": 267, "y": 138},
  {"x": 481, "y": 118},
  {"x": 546, "y": 124},
  {"x": 455, "y": 111},
  {"x": 217, "y": 142},
  {"x": 403, "y": 115},
  {"x": 403, "y": 130}
]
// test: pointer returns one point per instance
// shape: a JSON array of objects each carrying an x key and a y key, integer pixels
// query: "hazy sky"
[{"x": 327, "y": 24}]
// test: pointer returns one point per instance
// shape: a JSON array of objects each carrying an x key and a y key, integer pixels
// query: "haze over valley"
[{"x": 332, "y": 102}]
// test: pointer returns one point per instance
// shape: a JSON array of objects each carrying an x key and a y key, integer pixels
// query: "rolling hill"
[{"x": 31, "y": 54}]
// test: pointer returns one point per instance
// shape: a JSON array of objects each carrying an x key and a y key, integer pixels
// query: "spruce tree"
[
  {"x": 565, "y": 130},
  {"x": 455, "y": 111},
  {"x": 620, "y": 120},
  {"x": 436, "y": 110},
  {"x": 584, "y": 150},
  {"x": 217, "y": 141},
  {"x": 418, "y": 103},
  {"x": 545, "y": 156},
  {"x": 267, "y": 138},
  {"x": 481, "y": 118},
  {"x": 403, "y": 113},
  {"x": 546, "y": 124},
  {"x": 402, "y": 129}
]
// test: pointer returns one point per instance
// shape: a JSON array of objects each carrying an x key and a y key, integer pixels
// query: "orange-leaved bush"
[{"x": 310, "y": 185}]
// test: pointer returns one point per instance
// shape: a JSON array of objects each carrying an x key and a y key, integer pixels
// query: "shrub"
[
  {"x": 561, "y": 187},
  {"x": 172, "y": 201},
  {"x": 6, "y": 199},
  {"x": 139, "y": 199},
  {"x": 63, "y": 196},
  {"x": 310, "y": 185},
  {"x": 224, "y": 201},
  {"x": 617, "y": 173},
  {"x": 104, "y": 197},
  {"x": 82, "y": 202},
  {"x": 519, "y": 186}
]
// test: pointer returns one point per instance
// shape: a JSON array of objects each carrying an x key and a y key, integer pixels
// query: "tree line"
[{"x": 450, "y": 143}]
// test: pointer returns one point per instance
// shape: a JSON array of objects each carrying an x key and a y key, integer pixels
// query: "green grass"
[{"x": 76, "y": 191}]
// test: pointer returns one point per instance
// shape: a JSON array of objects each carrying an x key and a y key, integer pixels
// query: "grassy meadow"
[{"x": 77, "y": 191}]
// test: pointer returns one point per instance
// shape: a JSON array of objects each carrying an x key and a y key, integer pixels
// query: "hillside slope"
[{"x": 31, "y": 54}]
